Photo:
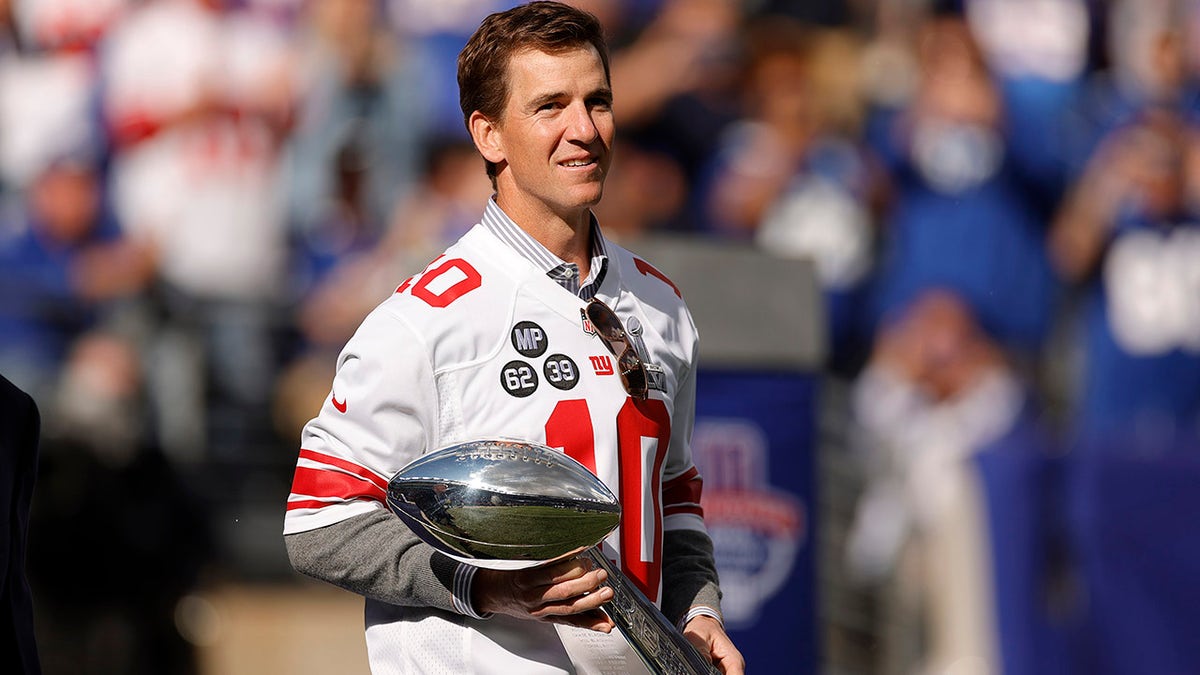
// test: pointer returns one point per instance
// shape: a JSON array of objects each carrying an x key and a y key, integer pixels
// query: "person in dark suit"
[{"x": 20, "y": 426}]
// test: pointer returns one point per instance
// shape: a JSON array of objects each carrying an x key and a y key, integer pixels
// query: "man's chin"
[{"x": 588, "y": 196}]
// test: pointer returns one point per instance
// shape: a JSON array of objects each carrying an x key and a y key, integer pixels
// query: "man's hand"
[
  {"x": 710, "y": 639},
  {"x": 566, "y": 592}
]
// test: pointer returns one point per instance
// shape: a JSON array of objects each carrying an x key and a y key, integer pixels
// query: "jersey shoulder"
[
  {"x": 459, "y": 305},
  {"x": 660, "y": 299},
  {"x": 647, "y": 282}
]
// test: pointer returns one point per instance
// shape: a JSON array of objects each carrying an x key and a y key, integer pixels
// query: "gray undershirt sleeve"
[
  {"x": 689, "y": 574},
  {"x": 377, "y": 556}
]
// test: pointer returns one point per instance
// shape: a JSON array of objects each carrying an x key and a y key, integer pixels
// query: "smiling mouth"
[{"x": 578, "y": 163}]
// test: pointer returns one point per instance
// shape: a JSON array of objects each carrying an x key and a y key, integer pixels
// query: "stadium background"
[{"x": 994, "y": 202}]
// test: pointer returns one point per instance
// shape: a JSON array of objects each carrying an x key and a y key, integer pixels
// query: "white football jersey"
[{"x": 482, "y": 344}]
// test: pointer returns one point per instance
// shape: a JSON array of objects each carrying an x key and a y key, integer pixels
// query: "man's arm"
[
  {"x": 689, "y": 574},
  {"x": 376, "y": 555},
  {"x": 691, "y": 595},
  {"x": 337, "y": 528},
  {"x": 692, "y": 598}
]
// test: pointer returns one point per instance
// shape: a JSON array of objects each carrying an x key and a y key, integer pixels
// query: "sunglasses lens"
[
  {"x": 633, "y": 375},
  {"x": 606, "y": 322},
  {"x": 608, "y": 326}
]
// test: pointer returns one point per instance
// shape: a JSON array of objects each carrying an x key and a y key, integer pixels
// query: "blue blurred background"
[{"x": 200, "y": 199}]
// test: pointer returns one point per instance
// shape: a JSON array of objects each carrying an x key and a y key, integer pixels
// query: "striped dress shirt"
[{"x": 565, "y": 273}]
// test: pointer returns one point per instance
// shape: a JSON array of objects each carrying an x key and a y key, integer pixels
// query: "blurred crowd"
[{"x": 200, "y": 199}]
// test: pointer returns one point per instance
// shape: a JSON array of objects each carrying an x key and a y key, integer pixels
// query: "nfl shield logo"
[{"x": 587, "y": 323}]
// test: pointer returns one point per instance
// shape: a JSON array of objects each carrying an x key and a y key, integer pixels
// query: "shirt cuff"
[
  {"x": 464, "y": 576},
  {"x": 700, "y": 610}
]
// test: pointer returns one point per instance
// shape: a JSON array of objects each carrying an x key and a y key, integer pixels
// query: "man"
[
  {"x": 20, "y": 425},
  {"x": 499, "y": 337}
]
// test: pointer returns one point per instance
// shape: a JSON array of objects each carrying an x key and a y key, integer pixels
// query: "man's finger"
[
  {"x": 568, "y": 570},
  {"x": 595, "y": 620},
  {"x": 700, "y": 644},
  {"x": 566, "y": 590},
  {"x": 575, "y": 603}
]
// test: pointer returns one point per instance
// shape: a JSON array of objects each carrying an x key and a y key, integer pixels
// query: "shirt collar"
[{"x": 562, "y": 272}]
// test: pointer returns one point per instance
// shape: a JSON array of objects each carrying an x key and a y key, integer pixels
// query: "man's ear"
[{"x": 487, "y": 137}]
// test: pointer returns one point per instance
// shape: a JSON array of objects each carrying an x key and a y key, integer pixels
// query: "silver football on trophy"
[
  {"x": 503, "y": 504},
  {"x": 506, "y": 504}
]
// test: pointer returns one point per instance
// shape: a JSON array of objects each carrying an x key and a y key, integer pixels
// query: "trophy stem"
[{"x": 663, "y": 649}]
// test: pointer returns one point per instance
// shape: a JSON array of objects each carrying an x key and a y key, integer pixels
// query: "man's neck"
[{"x": 569, "y": 238}]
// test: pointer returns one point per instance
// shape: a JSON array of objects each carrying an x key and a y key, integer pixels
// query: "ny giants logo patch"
[{"x": 602, "y": 365}]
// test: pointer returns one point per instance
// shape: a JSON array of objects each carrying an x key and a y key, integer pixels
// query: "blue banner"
[{"x": 755, "y": 445}]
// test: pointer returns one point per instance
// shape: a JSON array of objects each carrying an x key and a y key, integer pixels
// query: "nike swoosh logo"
[{"x": 341, "y": 406}]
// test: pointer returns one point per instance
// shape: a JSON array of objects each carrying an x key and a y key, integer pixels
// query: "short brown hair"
[{"x": 549, "y": 27}]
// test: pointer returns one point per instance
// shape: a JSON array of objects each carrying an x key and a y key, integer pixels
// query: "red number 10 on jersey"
[{"x": 639, "y": 476}]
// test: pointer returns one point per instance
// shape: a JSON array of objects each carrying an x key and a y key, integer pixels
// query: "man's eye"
[{"x": 553, "y": 105}]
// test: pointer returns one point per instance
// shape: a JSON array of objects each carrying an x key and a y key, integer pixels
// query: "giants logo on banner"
[{"x": 757, "y": 530}]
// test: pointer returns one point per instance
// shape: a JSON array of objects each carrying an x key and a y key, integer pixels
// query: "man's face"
[{"x": 555, "y": 135}]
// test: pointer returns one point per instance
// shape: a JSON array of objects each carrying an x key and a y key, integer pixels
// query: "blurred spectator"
[
  {"x": 645, "y": 192},
  {"x": 360, "y": 86},
  {"x": 343, "y": 228},
  {"x": 684, "y": 49},
  {"x": 1148, "y": 52},
  {"x": 63, "y": 266},
  {"x": 963, "y": 214},
  {"x": 1128, "y": 235},
  {"x": 443, "y": 207},
  {"x": 1026, "y": 41},
  {"x": 790, "y": 175},
  {"x": 10, "y": 37},
  {"x": 936, "y": 392},
  {"x": 1038, "y": 52},
  {"x": 46, "y": 111},
  {"x": 1148, "y": 58},
  {"x": 198, "y": 98},
  {"x": 435, "y": 31},
  {"x": 815, "y": 12},
  {"x": 347, "y": 267},
  {"x": 675, "y": 82},
  {"x": 267, "y": 169},
  {"x": 117, "y": 538},
  {"x": 66, "y": 25}
]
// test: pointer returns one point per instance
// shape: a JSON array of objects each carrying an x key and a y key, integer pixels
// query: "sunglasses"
[{"x": 608, "y": 325}]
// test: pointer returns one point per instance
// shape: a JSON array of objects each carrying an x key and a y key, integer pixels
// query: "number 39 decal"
[{"x": 639, "y": 472}]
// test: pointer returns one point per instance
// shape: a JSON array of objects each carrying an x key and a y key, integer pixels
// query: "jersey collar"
[{"x": 565, "y": 274}]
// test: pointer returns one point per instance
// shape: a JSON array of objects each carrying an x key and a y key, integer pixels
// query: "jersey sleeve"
[
  {"x": 379, "y": 416},
  {"x": 682, "y": 482},
  {"x": 690, "y": 582}
]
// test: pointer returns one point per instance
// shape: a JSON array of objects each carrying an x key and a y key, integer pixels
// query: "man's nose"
[{"x": 580, "y": 125}]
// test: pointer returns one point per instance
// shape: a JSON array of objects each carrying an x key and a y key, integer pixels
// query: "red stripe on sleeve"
[
  {"x": 684, "y": 489},
  {"x": 324, "y": 483},
  {"x": 682, "y": 494},
  {"x": 356, "y": 469},
  {"x": 307, "y": 504},
  {"x": 693, "y": 509}
]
